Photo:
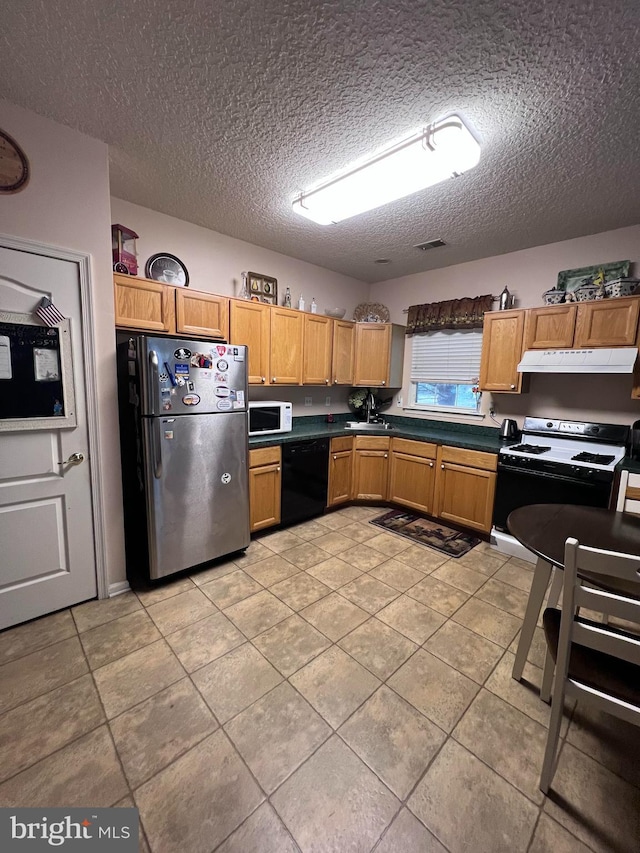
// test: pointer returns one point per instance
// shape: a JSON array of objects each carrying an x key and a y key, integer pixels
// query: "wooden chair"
[
  {"x": 595, "y": 662},
  {"x": 629, "y": 493}
]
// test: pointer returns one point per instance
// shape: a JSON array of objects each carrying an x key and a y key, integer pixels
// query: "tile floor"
[{"x": 334, "y": 689}]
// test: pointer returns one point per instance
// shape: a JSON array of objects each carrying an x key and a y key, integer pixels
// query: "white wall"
[
  {"x": 66, "y": 204},
  {"x": 528, "y": 274}
]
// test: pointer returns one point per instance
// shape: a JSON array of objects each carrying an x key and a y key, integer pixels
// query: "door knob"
[{"x": 74, "y": 459}]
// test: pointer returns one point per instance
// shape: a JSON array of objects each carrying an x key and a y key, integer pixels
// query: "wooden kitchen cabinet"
[
  {"x": 344, "y": 348},
  {"x": 144, "y": 304},
  {"x": 465, "y": 487},
  {"x": 551, "y": 327},
  {"x": 607, "y": 323},
  {"x": 264, "y": 487},
  {"x": 412, "y": 474},
  {"x": 502, "y": 340},
  {"x": 201, "y": 314},
  {"x": 250, "y": 325},
  {"x": 340, "y": 470},
  {"x": 379, "y": 354},
  {"x": 317, "y": 348},
  {"x": 287, "y": 334},
  {"x": 370, "y": 468}
]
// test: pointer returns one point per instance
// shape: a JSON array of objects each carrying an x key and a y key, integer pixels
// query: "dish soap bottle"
[
  {"x": 287, "y": 299},
  {"x": 314, "y": 307},
  {"x": 301, "y": 303}
]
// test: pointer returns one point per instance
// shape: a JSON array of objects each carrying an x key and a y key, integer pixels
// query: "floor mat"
[{"x": 425, "y": 532}]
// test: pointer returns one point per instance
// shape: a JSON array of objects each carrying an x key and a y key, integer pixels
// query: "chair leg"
[
  {"x": 534, "y": 606},
  {"x": 556, "y": 588},
  {"x": 547, "y": 678},
  {"x": 548, "y": 765}
]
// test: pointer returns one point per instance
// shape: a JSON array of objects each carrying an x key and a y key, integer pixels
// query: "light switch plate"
[{"x": 308, "y": 401}]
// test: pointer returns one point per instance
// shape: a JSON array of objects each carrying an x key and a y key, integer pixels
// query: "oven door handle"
[{"x": 555, "y": 476}]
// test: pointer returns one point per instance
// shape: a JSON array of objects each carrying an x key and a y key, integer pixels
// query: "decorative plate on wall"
[
  {"x": 371, "y": 312},
  {"x": 167, "y": 268},
  {"x": 14, "y": 166}
]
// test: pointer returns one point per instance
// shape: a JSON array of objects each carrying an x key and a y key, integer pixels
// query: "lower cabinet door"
[
  {"x": 411, "y": 481},
  {"x": 465, "y": 495},
  {"x": 340, "y": 465},
  {"x": 264, "y": 496},
  {"x": 370, "y": 475}
]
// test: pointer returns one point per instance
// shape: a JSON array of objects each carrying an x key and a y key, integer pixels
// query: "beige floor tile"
[
  {"x": 306, "y": 555},
  {"x": 135, "y": 677},
  {"x": 422, "y": 558},
  {"x": 334, "y": 616},
  {"x": 231, "y": 588},
  {"x": 411, "y": 618},
  {"x": 300, "y": 590},
  {"x": 393, "y": 739},
  {"x": 196, "y": 802},
  {"x": 488, "y": 621},
  {"x": 363, "y": 557},
  {"x": 504, "y": 596},
  {"x": 257, "y": 613},
  {"x": 397, "y": 575},
  {"x": 280, "y": 541},
  {"x": 334, "y": 542},
  {"x": 85, "y": 771},
  {"x": 550, "y": 837},
  {"x": 433, "y": 687},
  {"x": 181, "y": 610},
  {"x": 485, "y": 562},
  {"x": 160, "y": 729},
  {"x": 128, "y": 803},
  {"x": 335, "y": 684},
  {"x": 219, "y": 570},
  {"x": 40, "y": 727},
  {"x": 388, "y": 544},
  {"x": 469, "y": 807},
  {"x": 359, "y": 531},
  {"x": 162, "y": 591},
  {"x": 537, "y": 650},
  {"x": 334, "y": 802},
  {"x": 308, "y": 530},
  {"x": 523, "y": 564},
  {"x": 507, "y": 740},
  {"x": 334, "y": 572},
  {"x": 29, "y": 676},
  {"x": 515, "y": 575},
  {"x": 256, "y": 551},
  {"x": 97, "y": 612},
  {"x": 611, "y": 741},
  {"x": 378, "y": 647},
  {"x": 465, "y": 651},
  {"x": 334, "y": 520},
  {"x": 459, "y": 576},
  {"x": 598, "y": 807},
  {"x": 25, "y": 639},
  {"x": 407, "y": 835},
  {"x": 263, "y": 831},
  {"x": 438, "y": 595},
  {"x": 115, "y": 639},
  {"x": 291, "y": 644},
  {"x": 362, "y": 513},
  {"x": 273, "y": 569},
  {"x": 233, "y": 682},
  {"x": 204, "y": 641},
  {"x": 369, "y": 593},
  {"x": 276, "y": 734}
]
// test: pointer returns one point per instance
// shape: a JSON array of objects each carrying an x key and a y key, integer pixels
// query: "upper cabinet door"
[
  {"x": 373, "y": 351},
  {"x": 203, "y": 314},
  {"x": 287, "y": 332},
  {"x": 607, "y": 323},
  {"x": 344, "y": 345},
  {"x": 250, "y": 326},
  {"x": 144, "y": 304},
  {"x": 501, "y": 351},
  {"x": 551, "y": 327},
  {"x": 316, "y": 367}
]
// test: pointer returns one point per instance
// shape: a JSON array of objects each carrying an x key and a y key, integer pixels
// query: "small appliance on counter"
[
  {"x": 267, "y": 417},
  {"x": 508, "y": 429}
]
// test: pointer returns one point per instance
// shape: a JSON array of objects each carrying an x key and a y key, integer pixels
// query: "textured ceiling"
[{"x": 219, "y": 112}]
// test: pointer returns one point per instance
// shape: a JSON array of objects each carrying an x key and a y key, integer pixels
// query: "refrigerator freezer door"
[
  {"x": 197, "y": 487},
  {"x": 191, "y": 377}
]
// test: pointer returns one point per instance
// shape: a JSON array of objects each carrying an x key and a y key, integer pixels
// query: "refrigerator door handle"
[
  {"x": 154, "y": 384},
  {"x": 156, "y": 451}
]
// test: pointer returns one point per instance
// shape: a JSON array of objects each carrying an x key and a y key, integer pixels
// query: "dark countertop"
[
  {"x": 452, "y": 434},
  {"x": 629, "y": 464}
]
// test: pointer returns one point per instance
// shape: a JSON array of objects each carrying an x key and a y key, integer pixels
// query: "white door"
[{"x": 47, "y": 551}]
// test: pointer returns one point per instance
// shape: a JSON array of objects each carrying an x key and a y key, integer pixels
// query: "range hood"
[{"x": 614, "y": 360}]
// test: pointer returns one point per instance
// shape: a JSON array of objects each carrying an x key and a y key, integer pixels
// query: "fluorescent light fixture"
[{"x": 443, "y": 150}]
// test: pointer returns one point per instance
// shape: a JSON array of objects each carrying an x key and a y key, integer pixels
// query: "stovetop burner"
[
  {"x": 595, "y": 458},
  {"x": 536, "y": 449}
]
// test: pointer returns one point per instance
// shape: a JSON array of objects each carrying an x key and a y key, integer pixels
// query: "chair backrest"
[
  {"x": 629, "y": 493},
  {"x": 611, "y": 566}
]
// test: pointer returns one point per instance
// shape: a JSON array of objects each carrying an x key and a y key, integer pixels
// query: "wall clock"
[{"x": 14, "y": 166}]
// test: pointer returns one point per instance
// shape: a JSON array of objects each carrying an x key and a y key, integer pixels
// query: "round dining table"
[{"x": 544, "y": 529}]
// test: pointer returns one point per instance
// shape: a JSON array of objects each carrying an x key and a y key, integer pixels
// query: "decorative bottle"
[
  {"x": 287, "y": 299},
  {"x": 301, "y": 303},
  {"x": 314, "y": 307},
  {"x": 244, "y": 290}
]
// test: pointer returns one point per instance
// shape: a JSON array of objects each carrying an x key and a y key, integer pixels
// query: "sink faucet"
[{"x": 369, "y": 405}]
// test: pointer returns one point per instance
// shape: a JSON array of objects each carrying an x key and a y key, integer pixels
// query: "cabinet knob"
[
  {"x": 383, "y": 382},
  {"x": 442, "y": 466},
  {"x": 335, "y": 381},
  {"x": 278, "y": 468},
  {"x": 326, "y": 381},
  {"x": 430, "y": 464},
  {"x": 273, "y": 379},
  {"x": 334, "y": 458},
  {"x": 513, "y": 387},
  {"x": 386, "y": 455},
  {"x": 263, "y": 379}
]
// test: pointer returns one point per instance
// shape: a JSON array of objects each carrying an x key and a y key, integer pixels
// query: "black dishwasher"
[{"x": 305, "y": 474}]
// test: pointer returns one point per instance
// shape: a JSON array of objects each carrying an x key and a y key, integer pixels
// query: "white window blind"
[{"x": 447, "y": 356}]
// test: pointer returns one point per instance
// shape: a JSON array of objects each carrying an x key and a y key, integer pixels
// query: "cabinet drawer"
[
  {"x": 473, "y": 458},
  {"x": 372, "y": 442},
  {"x": 414, "y": 448},
  {"x": 343, "y": 442},
  {"x": 264, "y": 456}
]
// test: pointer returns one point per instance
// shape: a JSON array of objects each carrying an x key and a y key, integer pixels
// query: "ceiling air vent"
[{"x": 430, "y": 244}]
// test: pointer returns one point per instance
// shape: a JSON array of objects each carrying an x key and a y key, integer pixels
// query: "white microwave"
[{"x": 269, "y": 416}]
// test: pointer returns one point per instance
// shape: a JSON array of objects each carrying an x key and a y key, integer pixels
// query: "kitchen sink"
[{"x": 362, "y": 426}]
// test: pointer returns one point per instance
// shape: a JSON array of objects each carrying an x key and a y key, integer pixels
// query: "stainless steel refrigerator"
[{"x": 183, "y": 429}]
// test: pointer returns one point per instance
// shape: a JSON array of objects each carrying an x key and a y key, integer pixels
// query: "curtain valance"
[{"x": 466, "y": 313}]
